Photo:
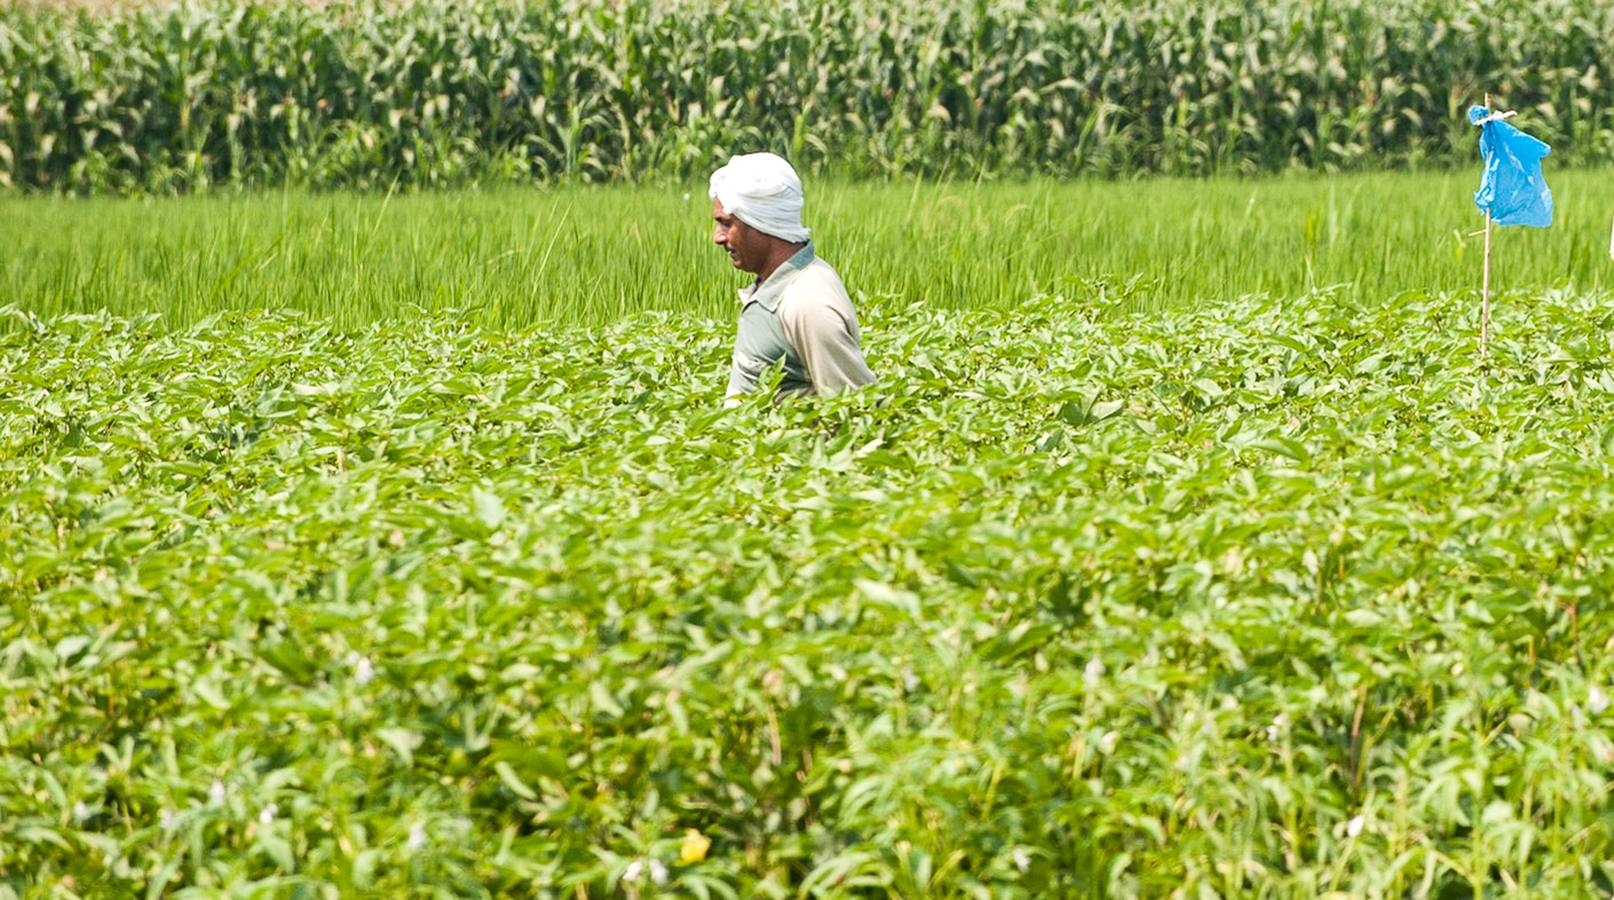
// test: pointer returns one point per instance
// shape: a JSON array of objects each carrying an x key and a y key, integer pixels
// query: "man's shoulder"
[
  {"x": 820, "y": 268},
  {"x": 817, "y": 285}
]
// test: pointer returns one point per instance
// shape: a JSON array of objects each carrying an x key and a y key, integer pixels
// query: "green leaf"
[
  {"x": 402, "y": 741},
  {"x": 1283, "y": 446},
  {"x": 514, "y": 783}
]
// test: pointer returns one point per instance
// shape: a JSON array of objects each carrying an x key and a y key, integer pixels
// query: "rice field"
[{"x": 591, "y": 255}]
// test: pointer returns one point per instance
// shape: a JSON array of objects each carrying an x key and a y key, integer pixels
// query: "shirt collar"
[{"x": 772, "y": 291}]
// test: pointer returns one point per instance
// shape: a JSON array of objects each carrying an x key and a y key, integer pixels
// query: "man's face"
[{"x": 746, "y": 246}]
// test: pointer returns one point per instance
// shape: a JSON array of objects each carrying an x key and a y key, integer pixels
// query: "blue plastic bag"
[{"x": 1513, "y": 189}]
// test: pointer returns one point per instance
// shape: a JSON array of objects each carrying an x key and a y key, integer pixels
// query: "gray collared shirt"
[{"x": 803, "y": 316}]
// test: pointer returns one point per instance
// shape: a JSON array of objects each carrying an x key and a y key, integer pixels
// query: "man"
[{"x": 797, "y": 310}]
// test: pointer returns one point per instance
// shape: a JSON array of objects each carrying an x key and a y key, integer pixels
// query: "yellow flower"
[{"x": 695, "y": 847}]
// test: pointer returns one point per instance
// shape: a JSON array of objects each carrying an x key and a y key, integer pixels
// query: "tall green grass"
[
  {"x": 183, "y": 96},
  {"x": 591, "y": 255}
]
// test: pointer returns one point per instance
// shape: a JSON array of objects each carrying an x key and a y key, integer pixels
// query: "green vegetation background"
[
  {"x": 590, "y": 255},
  {"x": 1186, "y": 544},
  {"x": 425, "y": 92}
]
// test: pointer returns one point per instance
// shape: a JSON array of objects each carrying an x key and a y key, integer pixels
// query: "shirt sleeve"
[{"x": 826, "y": 342}]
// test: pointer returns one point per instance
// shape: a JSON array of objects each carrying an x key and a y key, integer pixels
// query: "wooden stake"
[
  {"x": 1485, "y": 278},
  {"x": 1485, "y": 295}
]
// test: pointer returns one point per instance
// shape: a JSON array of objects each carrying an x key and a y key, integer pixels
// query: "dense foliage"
[
  {"x": 1280, "y": 597},
  {"x": 431, "y": 92}
]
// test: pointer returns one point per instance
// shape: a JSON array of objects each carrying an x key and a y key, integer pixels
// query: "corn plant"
[{"x": 178, "y": 97}]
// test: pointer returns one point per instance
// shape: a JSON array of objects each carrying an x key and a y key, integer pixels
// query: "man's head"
[{"x": 756, "y": 205}]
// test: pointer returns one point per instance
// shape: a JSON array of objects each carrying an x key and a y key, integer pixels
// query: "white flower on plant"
[
  {"x": 658, "y": 872},
  {"x": 1354, "y": 827},
  {"x": 1022, "y": 859},
  {"x": 363, "y": 671},
  {"x": 417, "y": 836},
  {"x": 1596, "y": 700},
  {"x": 1093, "y": 673},
  {"x": 165, "y": 819},
  {"x": 215, "y": 794},
  {"x": 267, "y": 814},
  {"x": 1280, "y": 724},
  {"x": 1106, "y": 744},
  {"x": 633, "y": 871},
  {"x": 80, "y": 811}
]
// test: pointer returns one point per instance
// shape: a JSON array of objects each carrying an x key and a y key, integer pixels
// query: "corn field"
[{"x": 436, "y": 93}]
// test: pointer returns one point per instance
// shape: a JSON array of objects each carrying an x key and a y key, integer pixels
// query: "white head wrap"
[{"x": 763, "y": 191}]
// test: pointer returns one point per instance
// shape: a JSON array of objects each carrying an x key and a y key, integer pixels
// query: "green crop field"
[
  {"x": 372, "y": 524},
  {"x": 591, "y": 255},
  {"x": 172, "y": 97},
  {"x": 1271, "y": 598}
]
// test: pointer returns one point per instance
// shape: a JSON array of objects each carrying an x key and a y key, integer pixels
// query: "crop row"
[{"x": 429, "y": 92}]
